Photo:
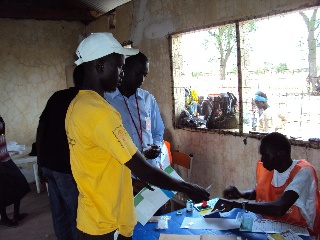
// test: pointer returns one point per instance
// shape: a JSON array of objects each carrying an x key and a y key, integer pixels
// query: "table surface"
[{"x": 150, "y": 231}]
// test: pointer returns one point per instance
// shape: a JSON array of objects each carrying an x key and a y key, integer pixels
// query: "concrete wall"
[{"x": 34, "y": 58}]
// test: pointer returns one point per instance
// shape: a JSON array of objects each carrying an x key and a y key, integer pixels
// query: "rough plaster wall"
[
  {"x": 33, "y": 60},
  {"x": 123, "y": 23},
  {"x": 218, "y": 159}
]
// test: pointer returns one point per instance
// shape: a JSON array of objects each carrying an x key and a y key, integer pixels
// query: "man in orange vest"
[{"x": 286, "y": 189}]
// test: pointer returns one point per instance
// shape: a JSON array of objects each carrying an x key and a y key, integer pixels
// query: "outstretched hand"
[
  {"x": 232, "y": 192},
  {"x": 153, "y": 152},
  {"x": 223, "y": 205},
  {"x": 197, "y": 193}
]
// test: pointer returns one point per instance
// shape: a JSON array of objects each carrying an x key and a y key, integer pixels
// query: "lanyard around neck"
[{"x": 139, "y": 134}]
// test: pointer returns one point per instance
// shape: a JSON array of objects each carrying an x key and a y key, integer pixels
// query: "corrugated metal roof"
[{"x": 104, "y": 6}]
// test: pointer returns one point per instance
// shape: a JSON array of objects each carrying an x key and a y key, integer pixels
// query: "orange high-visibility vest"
[{"x": 265, "y": 192}]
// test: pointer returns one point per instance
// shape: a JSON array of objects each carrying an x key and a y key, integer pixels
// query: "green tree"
[
  {"x": 281, "y": 67},
  {"x": 225, "y": 42},
  {"x": 312, "y": 24}
]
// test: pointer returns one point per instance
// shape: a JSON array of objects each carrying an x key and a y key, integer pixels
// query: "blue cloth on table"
[{"x": 150, "y": 231}]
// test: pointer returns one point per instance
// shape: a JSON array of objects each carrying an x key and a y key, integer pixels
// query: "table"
[{"x": 149, "y": 231}]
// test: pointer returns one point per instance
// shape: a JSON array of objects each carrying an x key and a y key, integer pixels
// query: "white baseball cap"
[{"x": 98, "y": 45}]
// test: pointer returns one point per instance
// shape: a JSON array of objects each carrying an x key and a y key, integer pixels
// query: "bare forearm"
[
  {"x": 273, "y": 208},
  {"x": 263, "y": 208},
  {"x": 249, "y": 194},
  {"x": 162, "y": 180},
  {"x": 170, "y": 183},
  {"x": 143, "y": 170}
]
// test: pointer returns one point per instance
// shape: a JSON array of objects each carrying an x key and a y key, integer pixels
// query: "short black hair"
[
  {"x": 277, "y": 142},
  {"x": 134, "y": 60}
]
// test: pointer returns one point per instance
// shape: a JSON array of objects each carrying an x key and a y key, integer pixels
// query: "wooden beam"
[{"x": 46, "y": 14}]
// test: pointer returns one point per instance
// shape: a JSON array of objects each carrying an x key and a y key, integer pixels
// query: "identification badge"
[{"x": 148, "y": 123}]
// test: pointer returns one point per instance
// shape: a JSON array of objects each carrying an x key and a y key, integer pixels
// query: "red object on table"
[{"x": 204, "y": 204}]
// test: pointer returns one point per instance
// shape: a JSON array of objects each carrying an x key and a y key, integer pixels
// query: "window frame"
[{"x": 177, "y": 90}]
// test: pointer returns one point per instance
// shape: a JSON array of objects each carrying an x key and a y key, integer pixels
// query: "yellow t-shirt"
[{"x": 99, "y": 148}]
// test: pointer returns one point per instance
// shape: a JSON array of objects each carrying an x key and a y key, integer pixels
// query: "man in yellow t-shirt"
[{"x": 101, "y": 151}]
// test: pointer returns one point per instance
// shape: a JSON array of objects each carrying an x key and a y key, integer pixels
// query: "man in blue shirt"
[
  {"x": 140, "y": 113},
  {"x": 139, "y": 109}
]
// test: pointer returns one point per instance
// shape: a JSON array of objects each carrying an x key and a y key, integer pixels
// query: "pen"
[{"x": 209, "y": 187}]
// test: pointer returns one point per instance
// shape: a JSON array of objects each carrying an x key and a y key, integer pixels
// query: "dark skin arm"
[
  {"x": 275, "y": 208},
  {"x": 233, "y": 193},
  {"x": 147, "y": 173}
]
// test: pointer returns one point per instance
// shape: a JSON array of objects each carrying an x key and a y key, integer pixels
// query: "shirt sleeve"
[
  {"x": 157, "y": 126},
  {"x": 301, "y": 184},
  {"x": 113, "y": 138},
  {"x": 304, "y": 184},
  {"x": 45, "y": 115}
]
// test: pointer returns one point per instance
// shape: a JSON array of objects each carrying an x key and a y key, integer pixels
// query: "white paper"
[
  {"x": 147, "y": 202},
  {"x": 210, "y": 223}
]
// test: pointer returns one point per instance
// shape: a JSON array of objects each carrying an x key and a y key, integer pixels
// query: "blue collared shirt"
[{"x": 151, "y": 121}]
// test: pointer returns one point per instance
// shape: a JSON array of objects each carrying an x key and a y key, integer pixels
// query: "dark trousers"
[{"x": 63, "y": 196}]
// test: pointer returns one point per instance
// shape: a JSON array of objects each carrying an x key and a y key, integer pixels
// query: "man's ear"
[{"x": 99, "y": 66}]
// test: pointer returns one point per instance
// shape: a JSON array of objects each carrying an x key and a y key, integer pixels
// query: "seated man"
[
  {"x": 207, "y": 107},
  {"x": 286, "y": 190}
]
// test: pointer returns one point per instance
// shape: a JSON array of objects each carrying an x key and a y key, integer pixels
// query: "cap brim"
[{"x": 129, "y": 51}]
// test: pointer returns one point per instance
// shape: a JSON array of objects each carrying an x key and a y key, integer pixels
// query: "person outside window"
[
  {"x": 269, "y": 120},
  {"x": 207, "y": 107}
]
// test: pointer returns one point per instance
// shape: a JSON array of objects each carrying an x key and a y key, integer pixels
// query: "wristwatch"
[{"x": 244, "y": 205}]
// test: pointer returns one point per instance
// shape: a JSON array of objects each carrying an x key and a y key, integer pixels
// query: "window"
[{"x": 276, "y": 55}]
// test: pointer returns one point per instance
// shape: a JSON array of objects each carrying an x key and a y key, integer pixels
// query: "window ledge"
[{"x": 314, "y": 144}]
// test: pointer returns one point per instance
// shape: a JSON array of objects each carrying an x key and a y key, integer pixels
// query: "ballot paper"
[
  {"x": 270, "y": 226},
  {"x": 210, "y": 223},
  {"x": 286, "y": 235},
  {"x": 147, "y": 202}
]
